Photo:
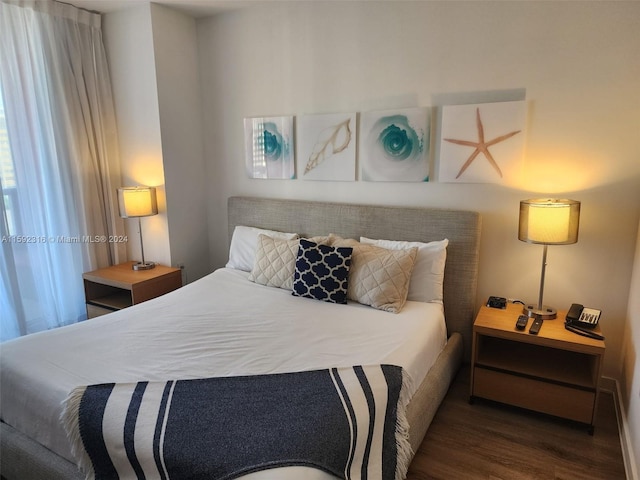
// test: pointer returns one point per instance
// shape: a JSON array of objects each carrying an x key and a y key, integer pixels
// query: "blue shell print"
[
  {"x": 277, "y": 152},
  {"x": 271, "y": 142},
  {"x": 396, "y": 150},
  {"x": 269, "y": 148}
]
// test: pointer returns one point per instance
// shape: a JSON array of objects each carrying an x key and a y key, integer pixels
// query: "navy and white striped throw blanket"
[{"x": 349, "y": 422}]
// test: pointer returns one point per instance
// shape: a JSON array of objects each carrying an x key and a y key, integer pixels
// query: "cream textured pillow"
[
  {"x": 378, "y": 276},
  {"x": 275, "y": 262},
  {"x": 427, "y": 278}
]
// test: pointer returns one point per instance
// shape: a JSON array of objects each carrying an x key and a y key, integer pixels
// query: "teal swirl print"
[
  {"x": 397, "y": 140},
  {"x": 272, "y": 143},
  {"x": 396, "y": 147}
]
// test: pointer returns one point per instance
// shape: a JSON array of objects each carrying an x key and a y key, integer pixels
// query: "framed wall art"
[
  {"x": 482, "y": 143},
  {"x": 269, "y": 149},
  {"x": 326, "y": 147},
  {"x": 394, "y": 145}
]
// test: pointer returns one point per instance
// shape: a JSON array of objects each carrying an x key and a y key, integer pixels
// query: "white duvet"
[{"x": 220, "y": 325}]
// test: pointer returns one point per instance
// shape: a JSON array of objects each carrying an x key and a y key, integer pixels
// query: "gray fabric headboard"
[{"x": 462, "y": 228}]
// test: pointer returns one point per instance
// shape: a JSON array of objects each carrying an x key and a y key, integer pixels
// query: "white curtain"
[{"x": 58, "y": 210}]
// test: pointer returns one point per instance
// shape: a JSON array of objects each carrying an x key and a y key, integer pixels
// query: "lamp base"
[
  {"x": 544, "y": 313},
  {"x": 143, "y": 266}
]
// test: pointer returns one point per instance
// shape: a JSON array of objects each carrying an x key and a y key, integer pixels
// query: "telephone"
[
  {"x": 582, "y": 320},
  {"x": 497, "y": 302}
]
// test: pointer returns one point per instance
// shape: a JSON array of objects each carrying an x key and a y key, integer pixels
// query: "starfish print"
[{"x": 481, "y": 146}]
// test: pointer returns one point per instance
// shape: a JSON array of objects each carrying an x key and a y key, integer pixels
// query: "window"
[{"x": 7, "y": 174}]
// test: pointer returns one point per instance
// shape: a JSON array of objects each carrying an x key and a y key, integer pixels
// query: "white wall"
[
  {"x": 154, "y": 65},
  {"x": 631, "y": 362},
  {"x": 176, "y": 60},
  {"x": 129, "y": 45},
  {"x": 577, "y": 62}
]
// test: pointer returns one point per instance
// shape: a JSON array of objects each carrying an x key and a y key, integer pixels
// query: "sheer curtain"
[{"x": 58, "y": 201}]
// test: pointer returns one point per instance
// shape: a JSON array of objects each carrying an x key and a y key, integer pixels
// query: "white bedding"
[{"x": 220, "y": 325}]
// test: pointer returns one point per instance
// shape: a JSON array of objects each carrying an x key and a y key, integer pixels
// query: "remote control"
[
  {"x": 535, "y": 326},
  {"x": 521, "y": 324}
]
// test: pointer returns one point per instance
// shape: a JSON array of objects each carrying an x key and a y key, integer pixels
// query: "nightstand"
[
  {"x": 555, "y": 372},
  {"x": 114, "y": 288}
]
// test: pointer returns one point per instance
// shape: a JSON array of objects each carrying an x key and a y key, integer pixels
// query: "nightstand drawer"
[{"x": 541, "y": 396}]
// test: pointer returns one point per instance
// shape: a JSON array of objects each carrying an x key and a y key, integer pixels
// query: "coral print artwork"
[
  {"x": 482, "y": 143},
  {"x": 394, "y": 145},
  {"x": 269, "y": 147}
]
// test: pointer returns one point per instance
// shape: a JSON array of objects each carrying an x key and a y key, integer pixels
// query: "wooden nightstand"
[
  {"x": 114, "y": 288},
  {"x": 555, "y": 372}
]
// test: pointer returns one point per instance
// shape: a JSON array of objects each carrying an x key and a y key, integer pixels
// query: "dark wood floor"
[{"x": 488, "y": 440}]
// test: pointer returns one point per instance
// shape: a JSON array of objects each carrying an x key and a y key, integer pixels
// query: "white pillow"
[
  {"x": 427, "y": 278},
  {"x": 244, "y": 243}
]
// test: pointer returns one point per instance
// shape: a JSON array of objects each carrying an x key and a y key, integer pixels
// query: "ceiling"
[{"x": 194, "y": 8}]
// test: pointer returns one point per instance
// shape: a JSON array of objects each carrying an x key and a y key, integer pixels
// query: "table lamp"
[
  {"x": 137, "y": 202},
  {"x": 548, "y": 222}
]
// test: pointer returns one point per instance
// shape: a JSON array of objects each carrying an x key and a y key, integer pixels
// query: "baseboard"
[
  {"x": 608, "y": 384},
  {"x": 630, "y": 467}
]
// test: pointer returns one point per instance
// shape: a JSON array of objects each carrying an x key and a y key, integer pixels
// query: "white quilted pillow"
[
  {"x": 427, "y": 278},
  {"x": 244, "y": 242},
  {"x": 275, "y": 262},
  {"x": 378, "y": 276}
]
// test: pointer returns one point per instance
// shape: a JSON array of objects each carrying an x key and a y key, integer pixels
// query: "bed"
[{"x": 31, "y": 451}]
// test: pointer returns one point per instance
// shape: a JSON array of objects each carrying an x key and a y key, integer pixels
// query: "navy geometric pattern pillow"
[{"x": 322, "y": 272}]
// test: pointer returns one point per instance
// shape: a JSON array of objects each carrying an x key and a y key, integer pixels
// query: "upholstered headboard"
[{"x": 462, "y": 228}]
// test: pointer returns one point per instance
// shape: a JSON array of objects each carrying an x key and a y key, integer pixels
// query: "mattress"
[{"x": 220, "y": 325}]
